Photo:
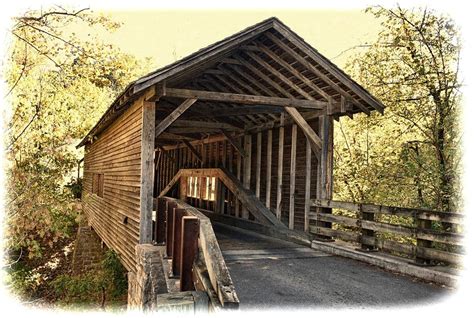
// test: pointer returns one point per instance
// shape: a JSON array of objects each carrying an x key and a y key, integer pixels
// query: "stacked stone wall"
[
  {"x": 88, "y": 251},
  {"x": 148, "y": 280}
]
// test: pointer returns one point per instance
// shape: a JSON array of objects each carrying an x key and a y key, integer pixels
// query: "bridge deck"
[{"x": 268, "y": 272}]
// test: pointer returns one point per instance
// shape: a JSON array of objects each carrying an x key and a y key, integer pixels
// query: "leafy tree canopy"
[
  {"x": 60, "y": 83},
  {"x": 410, "y": 156}
]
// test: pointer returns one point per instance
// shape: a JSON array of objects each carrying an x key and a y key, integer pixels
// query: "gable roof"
[{"x": 196, "y": 63}]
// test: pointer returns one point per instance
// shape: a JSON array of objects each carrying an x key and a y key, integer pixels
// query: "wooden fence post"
[
  {"x": 178, "y": 216},
  {"x": 160, "y": 223},
  {"x": 422, "y": 225},
  {"x": 169, "y": 228},
  {"x": 189, "y": 251},
  {"x": 365, "y": 216}
]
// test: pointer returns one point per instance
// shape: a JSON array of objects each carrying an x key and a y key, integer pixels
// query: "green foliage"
[
  {"x": 409, "y": 156},
  {"x": 60, "y": 83},
  {"x": 75, "y": 186},
  {"x": 115, "y": 273},
  {"x": 106, "y": 283},
  {"x": 20, "y": 279},
  {"x": 83, "y": 288}
]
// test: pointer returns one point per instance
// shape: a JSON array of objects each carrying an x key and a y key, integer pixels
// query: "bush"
[
  {"x": 107, "y": 283},
  {"x": 115, "y": 273},
  {"x": 75, "y": 186}
]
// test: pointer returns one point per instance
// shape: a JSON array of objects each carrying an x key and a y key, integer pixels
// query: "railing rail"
[
  {"x": 194, "y": 251},
  {"x": 421, "y": 241}
]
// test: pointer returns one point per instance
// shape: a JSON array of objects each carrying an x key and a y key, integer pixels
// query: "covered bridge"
[{"x": 241, "y": 129}]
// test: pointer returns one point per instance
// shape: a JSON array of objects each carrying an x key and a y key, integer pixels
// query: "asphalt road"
[{"x": 271, "y": 273}]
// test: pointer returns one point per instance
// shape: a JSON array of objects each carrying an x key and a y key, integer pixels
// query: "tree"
[
  {"x": 410, "y": 156},
  {"x": 60, "y": 83}
]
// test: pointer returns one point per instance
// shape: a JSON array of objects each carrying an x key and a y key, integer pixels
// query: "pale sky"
[{"x": 167, "y": 35}]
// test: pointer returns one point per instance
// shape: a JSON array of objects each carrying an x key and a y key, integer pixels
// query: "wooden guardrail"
[
  {"x": 194, "y": 251},
  {"x": 421, "y": 240}
]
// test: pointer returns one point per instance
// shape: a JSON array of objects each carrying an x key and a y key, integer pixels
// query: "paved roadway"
[{"x": 271, "y": 273}]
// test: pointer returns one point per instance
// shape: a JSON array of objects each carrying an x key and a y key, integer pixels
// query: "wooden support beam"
[
  {"x": 316, "y": 143},
  {"x": 281, "y": 77},
  {"x": 247, "y": 168},
  {"x": 169, "y": 228},
  {"x": 281, "y": 140},
  {"x": 316, "y": 71},
  {"x": 307, "y": 187},
  {"x": 207, "y": 112},
  {"x": 177, "y": 235},
  {"x": 269, "y": 168},
  {"x": 325, "y": 170},
  {"x": 205, "y": 124},
  {"x": 165, "y": 123},
  {"x": 294, "y": 71},
  {"x": 258, "y": 165},
  {"x": 251, "y": 79},
  {"x": 326, "y": 127},
  {"x": 190, "y": 130},
  {"x": 247, "y": 89},
  {"x": 329, "y": 67},
  {"x": 160, "y": 229},
  {"x": 171, "y": 136},
  {"x": 147, "y": 165},
  {"x": 189, "y": 251},
  {"x": 234, "y": 143},
  {"x": 193, "y": 150},
  {"x": 244, "y": 99},
  {"x": 294, "y": 133},
  {"x": 239, "y": 178},
  {"x": 230, "y": 61}
]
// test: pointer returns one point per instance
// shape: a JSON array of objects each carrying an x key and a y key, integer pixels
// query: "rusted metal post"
[
  {"x": 189, "y": 251},
  {"x": 178, "y": 216},
  {"x": 160, "y": 222},
  {"x": 169, "y": 228}
]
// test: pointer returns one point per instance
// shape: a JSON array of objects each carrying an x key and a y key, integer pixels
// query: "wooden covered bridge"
[{"x": 194, "y": 159}]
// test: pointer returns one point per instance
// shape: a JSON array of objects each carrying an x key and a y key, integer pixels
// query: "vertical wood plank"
[
  {"x": 160, "y": 236},
  {"x": 294, "y": 134},
  {"x": 258, "y": 165},
  {"x": 222, "y": 148},
  {"x": 170, "y": 207},
  {"x": 325, "y": 165},
  {"x": 281, "y": 140},
  {"x": 177, "y": 227},
  {"x": 269, "y": 168},
  {"x": 307, "y": 190},
  {"x": 231, "y": 159},
  {"x": 189, "y": 250},
  {"x": 239, "y": 175},
  {"x": 146, "y": 175},
  {"x": 247, "y": 169}
]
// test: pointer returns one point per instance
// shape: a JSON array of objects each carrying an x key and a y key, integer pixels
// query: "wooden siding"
[{"x": 116, "y": 154}]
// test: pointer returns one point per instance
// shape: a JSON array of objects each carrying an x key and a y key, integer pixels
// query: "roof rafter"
[
  {"x": 317, "y": 72},
  {"x": 347, "y": 81}
]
